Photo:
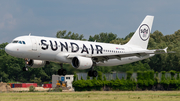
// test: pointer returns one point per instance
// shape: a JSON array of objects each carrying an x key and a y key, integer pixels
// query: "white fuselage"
[{"x": 57, "y": 50}]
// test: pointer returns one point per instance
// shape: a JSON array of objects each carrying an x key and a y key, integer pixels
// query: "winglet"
[{"x": 165, "y": 49}]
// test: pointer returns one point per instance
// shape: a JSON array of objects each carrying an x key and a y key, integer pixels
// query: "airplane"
[{"x": 39, "y": 51}]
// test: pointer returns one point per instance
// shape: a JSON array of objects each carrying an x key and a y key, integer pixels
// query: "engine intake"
[{"x": 82, "y": 62}]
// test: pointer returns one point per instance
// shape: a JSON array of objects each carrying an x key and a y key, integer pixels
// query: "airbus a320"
[{"x": 38, "y": 51}]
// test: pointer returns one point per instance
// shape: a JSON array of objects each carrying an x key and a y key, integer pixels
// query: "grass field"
[{"x": 93, "y": 96}]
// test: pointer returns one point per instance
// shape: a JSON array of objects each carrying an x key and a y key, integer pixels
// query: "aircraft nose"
[{"x": 8, "y": 49}]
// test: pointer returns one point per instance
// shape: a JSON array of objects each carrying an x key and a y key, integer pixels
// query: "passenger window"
[
  {"x": 20, "y": 42},
  {"x": 23, "y": 42}
]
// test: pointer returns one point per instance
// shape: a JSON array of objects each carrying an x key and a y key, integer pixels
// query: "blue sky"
[{"x": 87, "y": 17}]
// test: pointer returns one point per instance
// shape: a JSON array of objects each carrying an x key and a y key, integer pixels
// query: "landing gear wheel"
[
  {"x": 64, "y": 72},
  {"x": 59, "y": 72},
  {"x": 94, "y": 73},
  {"x": 25, "y": 69},
  {"x": 90, "y": 73}
]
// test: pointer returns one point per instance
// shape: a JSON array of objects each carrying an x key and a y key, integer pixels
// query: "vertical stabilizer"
[{"x": 142, "y": 34}]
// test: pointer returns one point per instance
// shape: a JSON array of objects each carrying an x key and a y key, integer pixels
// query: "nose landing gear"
[
  {"x": 25, "y": 68},
  {"x": 26, "y": 62}
]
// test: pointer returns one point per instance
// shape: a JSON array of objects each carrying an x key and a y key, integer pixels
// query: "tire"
[
  {"x": 94, "y": 73},
  {"x": 59, "y": 72},
  {"x": 64, "y": 72},
  {"x": 25, "y": 69},
  {"x": 90, "y": 73}
]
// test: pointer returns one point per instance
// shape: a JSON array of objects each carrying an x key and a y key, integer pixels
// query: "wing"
[{"x": 107, "y": 56}]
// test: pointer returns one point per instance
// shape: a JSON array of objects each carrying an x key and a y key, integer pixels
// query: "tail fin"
[{"x": 142, "y": 34}]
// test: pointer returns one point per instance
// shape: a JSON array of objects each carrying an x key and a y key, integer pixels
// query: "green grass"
[{"x": 93, "y": 96}]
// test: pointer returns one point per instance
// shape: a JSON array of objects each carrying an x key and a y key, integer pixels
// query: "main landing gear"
[
  {"x": 92, "y": 72},
  {"x": 62, "y": 71}
]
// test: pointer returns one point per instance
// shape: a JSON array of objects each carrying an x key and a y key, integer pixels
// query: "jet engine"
[
  {"x": 82, "y": 62},
  {"x": 35, "y": 63}
]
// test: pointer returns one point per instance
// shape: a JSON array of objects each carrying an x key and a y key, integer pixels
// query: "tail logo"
[{"x": 144, "y": 32}]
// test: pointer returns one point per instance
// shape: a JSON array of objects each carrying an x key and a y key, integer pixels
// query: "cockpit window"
[
  {"x": 15, "y": 41},
  {"x": 23, "y": 42},
  {"x": 20, "y": 42}
]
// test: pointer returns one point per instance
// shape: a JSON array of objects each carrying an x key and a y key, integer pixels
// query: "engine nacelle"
[
  {"x": 35, "y": 63},
  {"x": 82, "y": 62}
]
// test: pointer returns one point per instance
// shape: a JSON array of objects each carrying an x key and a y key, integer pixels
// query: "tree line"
[
  {"x": 145, "y": 80},
  {"x": 11, "y": 67}
]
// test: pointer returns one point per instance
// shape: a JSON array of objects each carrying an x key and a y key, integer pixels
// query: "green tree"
[
  {"x": 69, "y": 35},
  {"x": 103, "y": 37}
]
